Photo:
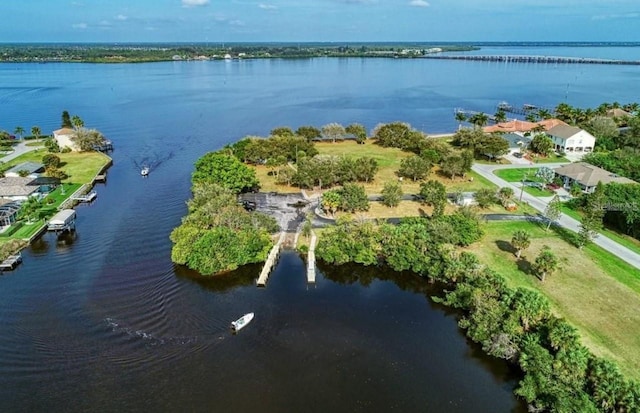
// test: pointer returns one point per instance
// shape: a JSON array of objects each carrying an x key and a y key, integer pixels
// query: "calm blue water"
[{"x": 104, "y": 321}]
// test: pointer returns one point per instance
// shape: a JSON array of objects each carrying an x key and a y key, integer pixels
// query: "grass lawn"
[
  {"x": 595, "y": 291},
  {"x": 517, "y": 174},
  {"x": 81, "y": 167},
  {"x": 388, "y": 163},
  {"x": 27, "y": 230},
  {"x": 535, "y": 191},
  {"x": 551, "y": 159}
]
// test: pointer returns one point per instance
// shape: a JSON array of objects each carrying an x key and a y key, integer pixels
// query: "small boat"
[
  {"x": 241, "y": 322},
  {"x": 144, "y": 171}
]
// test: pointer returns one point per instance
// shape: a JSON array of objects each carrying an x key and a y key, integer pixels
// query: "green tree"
[
  {"x": 505, "y": 194},
  {"x": 30, "y": 209},
  {"x": 542, "y": 144},
  {"x": 485, "y": 197},
  {"x": 51, "y": 160},
  {"x": 546, "y": 175},
  {"x": 460, "y": 118},
  {"x": 500, "y": 116},
  {"x": 530, "y": 307},
  {"x": 470, "y": 138},
  {"x": 66, "y": 120},
  {"x": 453, "y": 164},
  {"x": 358, "y": 131},
  {"x": 493, "y": 146},
  {"x": 414, "y": 167},
  {"x": 77, "y": 122},
  {"x": 87, "y": 139},
  {"x": 354, "y": 198},
  {"x": 51, "y": 145},
  {"x": 224, "y": 170},
  {"x": 19, "y": 131},
  {"x": 434, "y": 193},
  {"x": 365, "y": 168},
  {"x": 36, "y": 132},
  {"x": 479, "y": 119},
  {"x": 282, "y": 131},
  {"x": 591, "y": 222},
  {"x": 546, "y": 263},
  {"x": 603, "y": 127},
  {"x": 553, "y": 211},
  {"x": 521, "y": 240},
  {"x": 333, "y": 132},
  {"x": 310, "y": 133},
  {"x": 331, "y": 201},
  {"x": 391, "y": 194}
]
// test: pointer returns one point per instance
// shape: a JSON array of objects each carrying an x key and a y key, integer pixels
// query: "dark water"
[{"x": 102, "y": 321}]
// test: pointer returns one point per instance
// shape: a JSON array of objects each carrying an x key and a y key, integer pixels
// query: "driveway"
[
  {"x": 19, "y": 149},
  {"x": 565, "y": 221}
]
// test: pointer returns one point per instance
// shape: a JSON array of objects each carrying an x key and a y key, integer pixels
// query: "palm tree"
[
  {"x": 479, "y": 119},
  {"x": 520, "y": 241},
  {"x": 544, "y": 114},
  {"x": 500, "y": 116},
  {"x": 460, "y": 117},
  {"x": 36, "y": 132},
  {"x": 77, "y": 122},
  {"x": 546, "y": 262},
  {"x": 19, "y": 131}
]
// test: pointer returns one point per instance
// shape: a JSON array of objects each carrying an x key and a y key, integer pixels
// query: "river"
[{"x": 103, "y": 321}]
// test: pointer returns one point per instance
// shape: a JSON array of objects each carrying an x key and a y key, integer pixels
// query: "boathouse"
[{"x": 64, "y": 220}]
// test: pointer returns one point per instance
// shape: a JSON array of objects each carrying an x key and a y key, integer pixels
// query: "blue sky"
[{"x": 318, "y": 20}]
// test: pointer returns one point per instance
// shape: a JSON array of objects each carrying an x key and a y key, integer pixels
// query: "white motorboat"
[
  {"x": 144, "y": 171},
  {"x": 241, "y": 322}
]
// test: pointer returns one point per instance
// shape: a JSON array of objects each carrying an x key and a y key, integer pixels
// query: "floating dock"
[
  {"x": 271, "y": 261},
  {"x": 11, "y": 262}
]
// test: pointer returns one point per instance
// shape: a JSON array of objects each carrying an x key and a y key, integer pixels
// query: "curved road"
[{"x": 487, "y": 171}]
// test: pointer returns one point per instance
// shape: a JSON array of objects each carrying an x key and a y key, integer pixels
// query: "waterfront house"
[
  {"x": 31, "y": 170},
  {"x": 64, "y": 138},
  {"x": 571, "y": 140},
  {"x": 587, "y": 176},
  {"x": 17, "y": 188},
  {"x": 522, "y": 127}
]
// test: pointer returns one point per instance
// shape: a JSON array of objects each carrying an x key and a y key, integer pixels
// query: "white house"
[
  {"x": 571, "y": 140},
  {"x": 63, "y": 137}
]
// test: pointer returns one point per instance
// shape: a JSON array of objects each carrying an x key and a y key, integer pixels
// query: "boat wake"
[{"x": 150, "y": 339}]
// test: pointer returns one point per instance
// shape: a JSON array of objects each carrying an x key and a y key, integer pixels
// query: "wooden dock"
[
  {"x": 311, "y": 260},
  {"x": 11, "y": 262},
  {"x": 272, "y": 258},
  {"x": 534, "y": 59}
]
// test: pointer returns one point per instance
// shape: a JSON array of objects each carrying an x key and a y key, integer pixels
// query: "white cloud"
[
  {"x": 236, "y": 23},
  {"x": 418, "y": 3},
  {"x": 194, "y": 3},
  {"x": 121, "y": 17},
  {"x": 80, "y": 26},
  {"x": 105, "y": 23},
  {"x": 267, "y": 6}
]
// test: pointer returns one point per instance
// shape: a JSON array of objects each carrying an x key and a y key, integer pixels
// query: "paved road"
[{"x": 565, "y": 221}]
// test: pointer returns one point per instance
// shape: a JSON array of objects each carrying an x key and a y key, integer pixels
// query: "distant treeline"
[{"x": 150, "y": 52}]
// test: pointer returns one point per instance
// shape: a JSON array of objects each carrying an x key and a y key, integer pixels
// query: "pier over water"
[{"x": 534, "y": 59}]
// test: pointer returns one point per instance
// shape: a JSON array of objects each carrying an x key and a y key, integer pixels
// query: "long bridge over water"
[{"x": 534, "y": 59}]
